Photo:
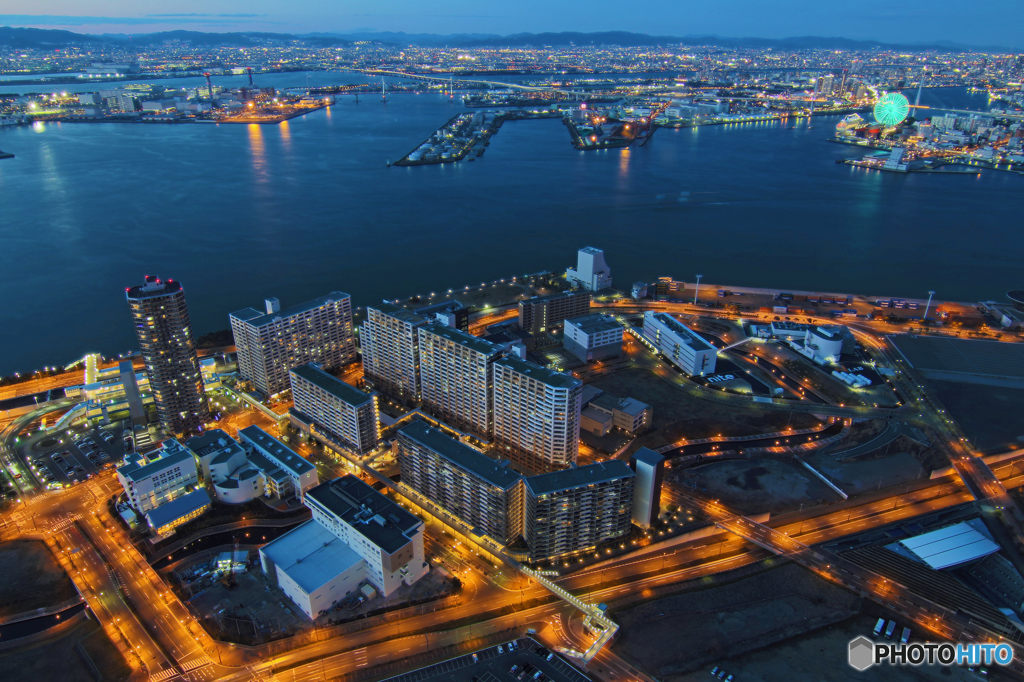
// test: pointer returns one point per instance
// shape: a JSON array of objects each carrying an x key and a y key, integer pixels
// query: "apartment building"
[
  {"x": 457, "y": 378},
  {"x": 482, "y": 492},
  {"x": 574, "y": 510},
  {"x": 338, "y": 411},
  {"x": 541, "y": 313},
  {"x": 536, "y": 415},
  {"x": 168, "y": 348},
  {"x": 390, "y": 348},
  {"x": 273, "y": 341}
]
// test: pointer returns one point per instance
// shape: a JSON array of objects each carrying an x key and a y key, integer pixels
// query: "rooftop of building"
[
  {"x": 790, "y": 326},
  {"x": 648, "y": 456},
  {"x": 507, "y": 335},
  {"x": 474, "y": 343},
  {"x": 153, "y": 287},
  {"x": 311, "y": 555},
  {"x": 183, "y": 505},
  {"x": 258, "y": 318},
  {"x": 172, "y": 453},
  {"x": 680, "y": 329},
  {"x": 398, "y": 312},
  {"x": 630, "y": 406},
  {"x": 288, "y": 458},
  {"x": 595, "y": 323},
  {"x": 589, "y": 393},
  {"x": 542, "y": 374},
  {"x": 376, "y": 517},
  {"x": 566, "y": 479},
  {"x": 830, "y": 332},
  {"x": 592, "y": 250},
  {"x": 333, "y": 385},
  {"x": 214, "y": 442},
  {"x": 495, "y": 472}
]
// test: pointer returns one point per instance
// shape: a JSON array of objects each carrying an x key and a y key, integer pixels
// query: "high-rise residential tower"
[
  {"x": 390, "y": 348},
  {"x": 169, "y": 350},
  {"x": 575, "y": 510},
  {"x": 337, "y": 410},
  {"x": 457, "y": 378},
  {"x": 271, "y": 343},
  {"x": 536, "y": 415}
]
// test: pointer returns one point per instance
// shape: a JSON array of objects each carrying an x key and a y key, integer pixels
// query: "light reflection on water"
[{"x": 294, "y": 210}]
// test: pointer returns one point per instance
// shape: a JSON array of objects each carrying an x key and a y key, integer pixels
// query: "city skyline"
[{"x": 876, "y": 20}]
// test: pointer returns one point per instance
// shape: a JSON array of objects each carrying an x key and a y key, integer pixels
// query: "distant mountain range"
[{"x": 52, "y": 38}]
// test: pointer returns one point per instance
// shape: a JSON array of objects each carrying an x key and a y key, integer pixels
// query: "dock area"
[
  {"x": 465, "y": 135},
  {"x": 268, "y": 118}
]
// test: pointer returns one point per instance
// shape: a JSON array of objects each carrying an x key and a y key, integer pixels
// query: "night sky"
[{"x": 992, "y": 23}]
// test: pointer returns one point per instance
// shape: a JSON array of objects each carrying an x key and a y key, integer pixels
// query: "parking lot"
[
  {"x": 60, "y": 460},
  {"x": 525, "y": 661}
]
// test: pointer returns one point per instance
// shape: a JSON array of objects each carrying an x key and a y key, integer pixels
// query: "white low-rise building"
[
  {"x": 386, "y": 536},
  {"x": 313, "y": 567},
  {"x": 258, "y": 466},
  {"x": 591, "y": 272},
  {"x": 157, "y": 479},
  {"x": 683, "y": 347},
  {"x": 593, "y": 337}
]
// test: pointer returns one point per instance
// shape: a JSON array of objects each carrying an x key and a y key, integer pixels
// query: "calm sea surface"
[{"x": 239, "y": 213}]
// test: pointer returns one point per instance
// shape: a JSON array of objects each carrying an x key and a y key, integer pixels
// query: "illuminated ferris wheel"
[{"x": 892, "y": 109}]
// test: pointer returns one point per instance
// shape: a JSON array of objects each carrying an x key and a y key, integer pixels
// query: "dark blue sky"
[{"x": 995, "y": 22}]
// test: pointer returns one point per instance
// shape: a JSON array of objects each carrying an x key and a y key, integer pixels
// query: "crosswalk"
[
  {"x": 64, "y": 522},
  {"x": 164, "y": 674},
  {"x": 182, "y": 668},
  {"x": 196, "y": 663}
]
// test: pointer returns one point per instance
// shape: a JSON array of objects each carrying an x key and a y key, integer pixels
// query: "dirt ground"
[
  {"x": 990, "y": 415},
  {"x": 868, "y": 473},
  {"x": 679, "y": 415},
  {"x": 756, "y": 485},
  {"x": 670, "y": 637},
  {"x": 821, "y": 656},
  {"x": 32, "y": 578},
  {"x": 57, "y": 659}
]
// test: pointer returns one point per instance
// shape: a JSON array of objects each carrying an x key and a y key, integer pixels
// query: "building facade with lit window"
[
  {"x": 541, "y": 313},
  {"x": 482, "y": 492},
  {"x": 536, "y": 415},
  {"x": 680, "y": 345},
  {"x": 160, "y": 477},
  {"x": 168, "y": 348},
  {"x": 386, "y": 536},
  {"x": 273, "y": 341},
  {"x": 457, "y": 378},
  {"x": 575, "y": 510},
  {"x": 338, "y": 411},
  {"x": 593, "y": 337},
  {"x": 389, "y": 343}
]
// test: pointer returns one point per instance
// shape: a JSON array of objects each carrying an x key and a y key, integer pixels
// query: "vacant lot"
[
  {"x": 58, "y": 659},
  {"x": 756, "y": 485},
  {"x": 679, "y": 414},
  {"x": 670, "y": 637},
  {"x": 32, "y": 578},
  {"x": 990, "y": 415},
  {"x": 821, "y": 655}
]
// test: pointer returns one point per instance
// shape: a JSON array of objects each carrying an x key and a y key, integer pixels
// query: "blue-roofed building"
[
  {"x": 165, "y": 518},
  {"x": 313, "y": 567}
]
